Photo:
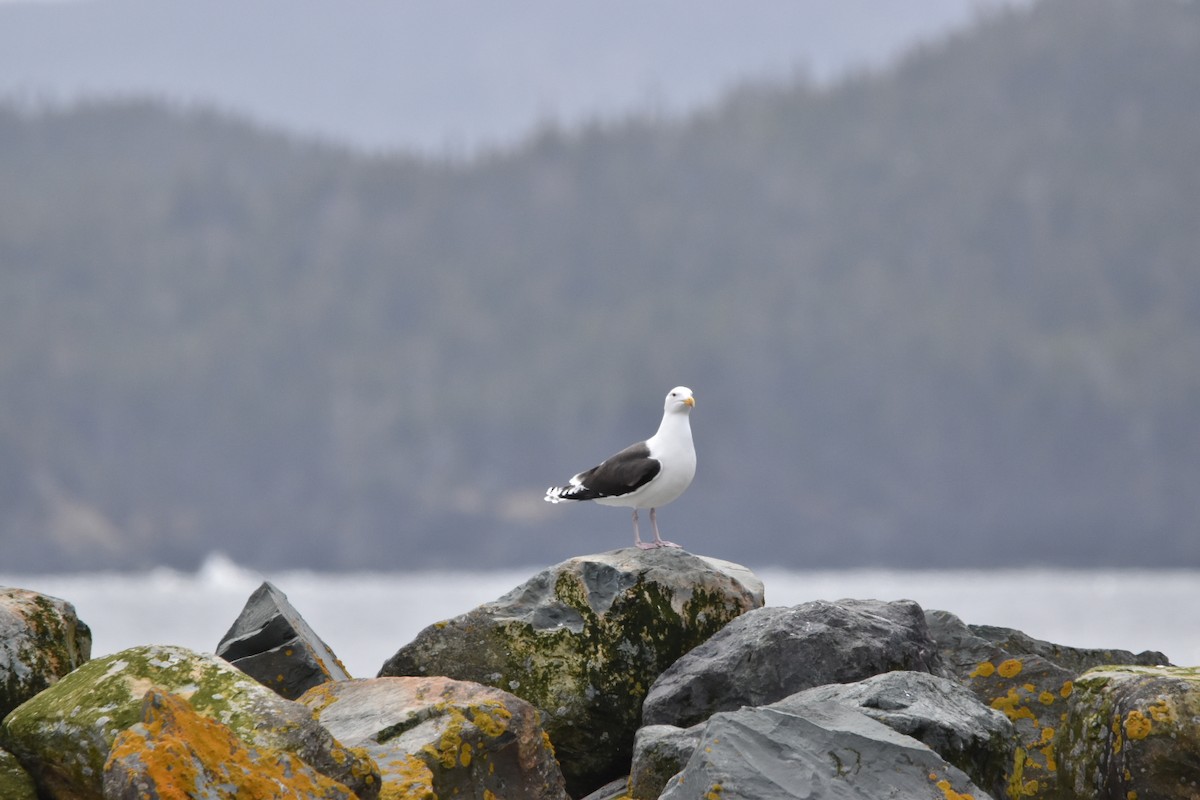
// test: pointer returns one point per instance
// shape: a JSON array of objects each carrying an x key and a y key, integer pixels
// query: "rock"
[
  {"x": 63, "y": 735},
  {"x": 964, "y": 647},
  {"x": 771, "y": 653},
  {"x": 1131, "y": 732},
  {"x": 1012, "y": 673},
  {"x": 176, "y": 753},
  {"x": 942, "y": 714},
  {"x": 443, "y": 738},
  {"x": 613, "y": 790},
  {"x": 584, "y": 640},
  {"x": 659, "y": 753},
  {"x": 936, "y": 711},
  {"x": 812, "y": 751},
  {"x": 15, "y": 782},
  {"x": 273, "y": 644},
  {"x": 41, "y": 639}
]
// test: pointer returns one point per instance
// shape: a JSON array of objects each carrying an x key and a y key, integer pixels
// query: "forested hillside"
[{"x": 948, "y": 314}]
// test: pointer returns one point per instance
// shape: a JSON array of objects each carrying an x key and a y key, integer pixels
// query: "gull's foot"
[
  {"x": 665, "y": 543},
  {"x": 645, "y": 545}
]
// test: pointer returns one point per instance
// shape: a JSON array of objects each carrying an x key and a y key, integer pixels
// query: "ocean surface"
[{"x": 366, "y": 617}]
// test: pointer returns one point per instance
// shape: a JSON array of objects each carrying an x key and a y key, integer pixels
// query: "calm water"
[{"x": 366, "y": 617}]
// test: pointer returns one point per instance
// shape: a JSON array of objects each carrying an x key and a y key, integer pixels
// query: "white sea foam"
[{"x": 365, "y": 617}]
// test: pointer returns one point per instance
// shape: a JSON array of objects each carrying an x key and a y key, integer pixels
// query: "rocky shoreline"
[{"x": 627, "y": 674}]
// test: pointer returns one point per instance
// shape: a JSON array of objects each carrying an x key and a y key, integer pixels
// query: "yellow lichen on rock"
[
  {"x": 491, "y": 719},
  {"x": 363, "y": 766},
  {"x": 1011, "y": 705},
  {"x": 447, "y": 750},
  {"x": 947, "y": 789},
  {"x": 1137, "y": 726},
  {"x": 949, "y": 793},
  {"x": 1047, "y": 748},
  {"x": 1118, "y": 740},
  {"x": 177, "y": 752},
  {"x": 1161, "y": 711},
  {"x": 985, "y": 669},
  {"x": 1010, "y": 668},
  {"x": 322, "y": 697},
  {"x": 408, "y": 779}
]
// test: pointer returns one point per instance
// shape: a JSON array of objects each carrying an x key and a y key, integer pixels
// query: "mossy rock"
[
  {"x": 63, "y": 735},
  {"x": 1132, "y": 732},
  {"x": 1031, "y": 681},
  {"x": 41, "y": 640},
  {"x": 583, "y": 641},
  {"x": 15, "y": 782}
]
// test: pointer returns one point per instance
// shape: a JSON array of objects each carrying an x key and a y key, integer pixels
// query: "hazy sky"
[{"x": 443, "y": 75}]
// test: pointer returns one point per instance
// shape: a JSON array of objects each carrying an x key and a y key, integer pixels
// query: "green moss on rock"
[
  {"x": 41, "y": 639},
  {"x": 15, "y": 782}
]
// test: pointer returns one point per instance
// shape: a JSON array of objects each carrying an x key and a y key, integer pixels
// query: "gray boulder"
[
  {"x": 659, "y": 753},
  {"x": 41, "y": 639},
  {"x": 771, "y": 653},
  {"x": 942, "y": 714},
  {"x": 583, "y": 641},
  {"x": 273, "y": 644},
  {"x": 436, "y": 737},
  {"x": 813, "y": 751},
  {"x": 938, "y": 712}
]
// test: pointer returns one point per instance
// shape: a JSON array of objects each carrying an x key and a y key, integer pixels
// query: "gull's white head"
[{"x": 679, "y": 399}]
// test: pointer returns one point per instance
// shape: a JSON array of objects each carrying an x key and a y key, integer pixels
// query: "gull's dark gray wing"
[{"x": 615, "y": 476}]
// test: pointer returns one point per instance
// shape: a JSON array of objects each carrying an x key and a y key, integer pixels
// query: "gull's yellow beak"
[{"x": 691, "y": 401}]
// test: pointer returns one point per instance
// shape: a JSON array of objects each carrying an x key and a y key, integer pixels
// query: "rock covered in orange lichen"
[
  {"x": 175, "y": 753},
  {"x": 63, "y": 735},
  {"x": 437, "y": 737}
]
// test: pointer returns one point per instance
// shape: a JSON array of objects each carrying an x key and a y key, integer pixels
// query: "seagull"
[{"x": 648, "y": 474}]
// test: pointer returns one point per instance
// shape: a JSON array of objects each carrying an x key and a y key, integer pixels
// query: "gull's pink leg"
[
  {"x": 637, "y": 536},
  {"x": 658, "y": 540}
]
